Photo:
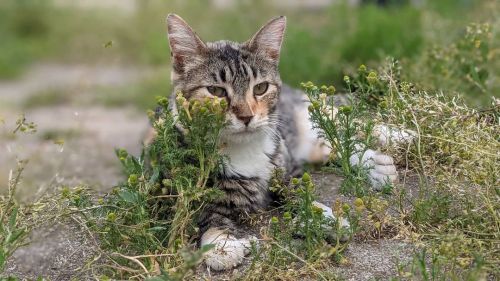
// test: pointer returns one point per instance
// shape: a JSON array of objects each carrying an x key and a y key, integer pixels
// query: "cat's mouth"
[
  {"x": 242, "y": 131},
  {"x": 245, "y": 131}
]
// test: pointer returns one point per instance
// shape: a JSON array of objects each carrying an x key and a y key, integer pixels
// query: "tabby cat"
[{"x": 267, "y": 126}]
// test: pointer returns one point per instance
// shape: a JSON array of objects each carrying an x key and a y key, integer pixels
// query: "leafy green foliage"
[
  {"x": 301, "y": 238},
  {"x": 464, "y": 66},
  {"x": 342, "y": 128},
  {"x": 12, "y": 233},
  {"x": 434, "y": 266},
  {"x": 155, "y": 210},
  {"x": 455, "y": 155},
  {"x": 15, "y": 225}
]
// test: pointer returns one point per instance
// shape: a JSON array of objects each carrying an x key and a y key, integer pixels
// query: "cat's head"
[{"x": 245, "y": 74}]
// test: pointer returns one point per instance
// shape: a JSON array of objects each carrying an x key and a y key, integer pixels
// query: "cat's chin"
[{"x": 241, "y": 135}]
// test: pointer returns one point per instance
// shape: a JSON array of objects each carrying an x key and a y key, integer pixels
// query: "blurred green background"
[{"x": 324, "y": 39}]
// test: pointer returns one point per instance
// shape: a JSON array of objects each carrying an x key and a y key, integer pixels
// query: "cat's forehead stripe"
[
  {"x": 228, "y": 64},
  {"x": 222, "y": 75},
  {"x": 214, "y": 77}
]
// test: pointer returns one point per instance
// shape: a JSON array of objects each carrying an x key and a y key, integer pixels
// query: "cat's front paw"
[
  {"x": 382, "y": 170},
  {"x": 331, "y": 233},
  {"x": 228, "y": 251}
]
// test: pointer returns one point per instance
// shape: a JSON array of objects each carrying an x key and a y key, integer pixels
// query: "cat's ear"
[
  {"x": 184, "y": 43},
  {"x": 267, "y": 41}
]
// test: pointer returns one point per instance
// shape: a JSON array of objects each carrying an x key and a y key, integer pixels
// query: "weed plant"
[
  {"x": 12, "y": 231},
  {"x": 18, "y": 220},
  {"x": 300, "y": 241},
  {"x": 149, "y": 221},
  {"x": 465, "y": 66},
  {"x": 455, "y": 155},
  {"x": 345, "y": 129}
]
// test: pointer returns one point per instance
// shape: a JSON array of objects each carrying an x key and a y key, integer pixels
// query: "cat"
[{"x": 267, "y": 128}]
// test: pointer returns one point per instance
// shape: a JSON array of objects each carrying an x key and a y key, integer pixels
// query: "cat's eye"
[
  {"x": 217, "y": 91},
  {"x": 260, "y": 89}
]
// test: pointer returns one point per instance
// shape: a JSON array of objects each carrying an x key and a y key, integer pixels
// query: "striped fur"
[{"x": 263, "y": 132}]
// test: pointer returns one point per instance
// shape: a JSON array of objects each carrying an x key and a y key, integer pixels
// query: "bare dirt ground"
[
  {"x": 60, "y": 251},
  {"x": 89, "y": 133}
]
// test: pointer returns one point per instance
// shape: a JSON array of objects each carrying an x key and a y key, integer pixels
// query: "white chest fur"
[{"x": 248, "y": 156}]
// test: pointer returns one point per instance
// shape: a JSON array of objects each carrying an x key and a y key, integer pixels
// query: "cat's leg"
[
  {"x": 219, "y": 222},
  {"x": 387, "y": 135},
  {"x": 381, "y": 167},
  {"x": 228, "y": 250},
  {"x": 331, "y": 233}
]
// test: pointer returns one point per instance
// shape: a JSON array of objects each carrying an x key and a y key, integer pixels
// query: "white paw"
[
  {"x": 228, "y": 251},
  {"x": 382, "y": 168},
  {"x": 344, "y": 224},
  {"x": 387, "y": 135},
  {"x": 383, "y": 171},
  {"x": 328, "y": 213}
]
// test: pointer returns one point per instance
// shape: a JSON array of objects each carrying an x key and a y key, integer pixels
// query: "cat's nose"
[{"x": 245, "y": 119}]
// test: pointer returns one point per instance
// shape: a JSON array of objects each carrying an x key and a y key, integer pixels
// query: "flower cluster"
[
  {"x": 201, "y": 106},
  {"x": 320, "y": 99}
]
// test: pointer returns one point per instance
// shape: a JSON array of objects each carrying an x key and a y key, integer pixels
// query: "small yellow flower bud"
[
  {"x": 163, "y": 101},
  {"x": 317, "y": 210},
  {"x": 345, "y": 109},
  {"x": 346, "y": 207},
  {"x": 111, "y": 217},
  {"x": 216, "y": 102},
  {"x": 372, "y": 77},
  {"x": 316, "y": 104},
  {"x": 358, "y": 202},
  {"x": 306, "y": 177},
  {"x": 132, "y": 179},
  {"x": 287, "y": 216},
  {"x": 331, "y": 90}
]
